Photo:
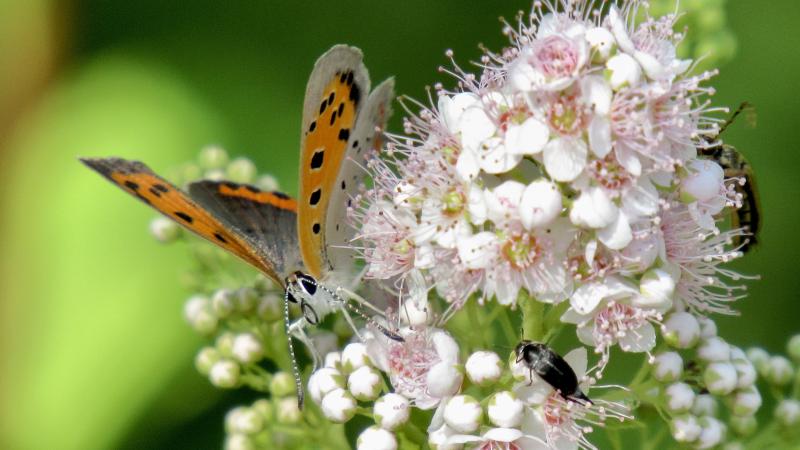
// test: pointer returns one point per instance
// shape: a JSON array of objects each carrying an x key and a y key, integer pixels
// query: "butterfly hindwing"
[
  {"x": 138, "y": 180},
  {"x": 369, "y": 127},
  {"x": 335, "y": 91},
  {"x": 268, "y": 220}
]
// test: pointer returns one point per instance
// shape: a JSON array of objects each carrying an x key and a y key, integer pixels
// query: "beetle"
[{"x": 551, "y": 368}]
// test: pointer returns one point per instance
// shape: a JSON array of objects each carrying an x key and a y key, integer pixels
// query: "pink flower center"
[
  {"x": 494, "y": 445},
  {"x": 409, "y": 363},
  {"x": 556, "y": 57},
  {"x": 521, "y": 250},
  {"x": 609, "y": 174}
]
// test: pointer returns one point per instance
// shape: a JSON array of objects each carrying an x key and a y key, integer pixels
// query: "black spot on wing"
[
  {"x": 333, "y": 118},
  {"x": 355, "y": 94},
  {"x": 220, "y": 238},
  {"x": 315, "y": 197},
  {"x": 341, "y": 109},
  {"x": 317, "y": 159},
  {"x": 331, "y": 98},
  {"x": 344, "y": 185},
  {"x": 131, "y": 185},
  {"x": 344, "y": 134},
  {"x": 313, "y": 126},
  {"x": 315, "y": 228},
  {"x": 184, "y": 216},
  {"x": 280, "y": 195},
  {"x": 323, "y": 106},
  {"x": 160, "y": 187}
]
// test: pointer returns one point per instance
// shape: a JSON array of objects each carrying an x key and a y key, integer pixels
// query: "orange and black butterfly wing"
[
  {"x": 337, "y": 87},
  {"x": 138, "y": 180},
  {"x": 268, "y": 220}
]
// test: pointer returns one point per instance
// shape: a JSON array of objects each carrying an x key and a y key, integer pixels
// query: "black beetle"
[{"x": 552, "y": 368}]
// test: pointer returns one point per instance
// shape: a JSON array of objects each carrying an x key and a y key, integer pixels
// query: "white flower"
[
  {"x": 746, "y": 402},
  {"x": 788, "y": 412},
  {"x": 391, "y": 411},
  {"x": 540, "y": 204},
  {"x": 247, "y": 348},
  {"x": 565, "y": 158},
  {"x": 423, "y": 368},
  {"x": 612, "y": 312},
  {"x": 704, "y": 405},
  {"x": 338, "y": 406},
  {"x": 685, "y": 428},
  {"x": 375, "y": 438},
  {"x": 714, "y": 349},
  {"x": 243, "y": 420},
  {"x": 712, "y": 432},
  {"x": 364, "y": 383},
  {"x": 625, "y": 71},
  {"x": 778, "y": 371},
  {"x": 505, "y": 410},
  {"x": 601, "y": 41},
  {"x": 483, "y": 367},
  {"x": 463, "y": 413},
  {"x": 657, "y": 287},
  {"x": 493, "y": 438},
  {"x": 552, "y": 63}
]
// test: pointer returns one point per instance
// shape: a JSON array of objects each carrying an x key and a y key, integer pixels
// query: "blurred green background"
[{"x": 94, "y": 352}]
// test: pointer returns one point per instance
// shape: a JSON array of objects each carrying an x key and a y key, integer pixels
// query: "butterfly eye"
[
  {"x": 309, "y": 313},
  {"x": 308, "y": 284}
]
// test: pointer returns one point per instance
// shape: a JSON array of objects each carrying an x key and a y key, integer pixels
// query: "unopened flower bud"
[
  {"x": 746, "y": 402},
  {"x": 463, "y": 414},
  {"x": 267, "y": 183},
  {"x": 324, "y": 381},
  {"x": 602, "y": 41},
  {"x": 270, "y": 307},
  {"x": 745, "y": 372},
  {"x": 224, "y": 374},
  {"x": 505, "y": 409},
  {"x": 656, "y": 287},
  {"x": 743, "y": 425},
  {"x": 708, "y": 328},
  {"x": 222, "y": 303},
  {"x": 338, "y": 406},
  {"x": 265, "y": 408},
  {"x": 199, "y": 314},
  {"x": 246, "y": 299},
  {"x": 788, "y": 412},
  {"x": 365, "y": 383},
  {"x": 415, "y": 312},
  {"x": 205, "y": 359},
  {"x": 243, "y": 420},
  {"x": 685, "y": 428},
  {"x": 679, "y": 397},
  {"x": 712, "y": 432},
  {"x": 759, "y": 357},
  {"x": 288, "y": 411},
  {"x": 714, "y": 349},
  {"x": 444, "y": 379},
  {"x": 793, "y": 348},
  {"x": 704, "y": 405},
  {"x": 238, "y": 441},
  {"x": 483, "y": 367},
  {"x": 354, "y": 356},
  {"x": 623, "y": 71},
  {"x": 213, "y": 157},
  {"x": 681, "y": 330},
  {"x": 241, "y": 170},
  {"x": 247, "y": 348},
  {"x": 333, "y": 360},
  {"x": 164, "y": 230},
  {"x": 375, "y": 438},
  {"x": 282, "y": 384},
  {"x": 779, "y": 371},
  {"x": 720, "y": 378},
  {"x": 391, "y": 411},
  {"x": 667, "y": 367}
]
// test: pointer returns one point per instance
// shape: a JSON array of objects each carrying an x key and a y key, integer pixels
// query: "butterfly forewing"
[
  {"x": 334, "y": 95},
  {"x": 138, "y": 180},
  {"x": 369, "y": 127},
  {"x": 268, "y": 220}
]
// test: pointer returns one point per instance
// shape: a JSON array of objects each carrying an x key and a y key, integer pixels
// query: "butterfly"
[{"x": 298, "y": 243}]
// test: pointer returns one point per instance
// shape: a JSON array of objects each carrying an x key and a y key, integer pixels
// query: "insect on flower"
[
  {"x": 552, "y": 368},
  {"x": 735, "y": 165},
  {"x": 296, "y": 243}
]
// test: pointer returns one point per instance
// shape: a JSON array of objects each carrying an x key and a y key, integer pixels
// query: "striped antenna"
[
  {"x": 352, "y": 307},
  {"x": 295, "y": 369}
]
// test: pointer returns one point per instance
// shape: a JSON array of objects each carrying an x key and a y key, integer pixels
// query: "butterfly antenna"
[
  {"x": 295, "y": 369},
  {"x": 742, "y": 107},
  {"x": 352, "y": 307}
]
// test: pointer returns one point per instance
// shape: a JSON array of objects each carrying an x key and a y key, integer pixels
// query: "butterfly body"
[{"x": 299, "y": 244}]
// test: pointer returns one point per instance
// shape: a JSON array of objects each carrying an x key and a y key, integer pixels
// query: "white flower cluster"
[{"x": 567, "y": 171}]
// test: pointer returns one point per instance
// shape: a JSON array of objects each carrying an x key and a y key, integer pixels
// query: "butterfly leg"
[
  {"x": 343, "y": 308},
  {"x": 360, "y": 300},
  {"x": 297, "y": 330}
]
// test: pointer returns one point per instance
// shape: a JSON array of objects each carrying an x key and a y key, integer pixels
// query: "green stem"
[
  {"x": 415, "y": 434},
  {"x": 532, "y": 318}
]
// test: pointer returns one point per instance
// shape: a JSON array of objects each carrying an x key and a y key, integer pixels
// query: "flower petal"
[
  {"x": 527, "y": 138},
  {"x": 565, "y": 158}
]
